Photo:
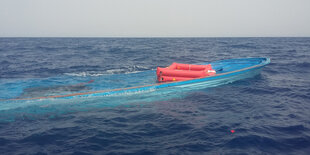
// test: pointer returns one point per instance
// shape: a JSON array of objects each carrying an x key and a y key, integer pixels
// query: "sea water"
[{"x": 269, "y": 112}]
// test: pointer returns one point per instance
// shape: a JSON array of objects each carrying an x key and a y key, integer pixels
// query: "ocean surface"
[{"x": 265, "y": 114}]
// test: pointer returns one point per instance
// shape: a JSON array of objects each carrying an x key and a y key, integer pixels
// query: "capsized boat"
[{"x": 179, "y": 76}]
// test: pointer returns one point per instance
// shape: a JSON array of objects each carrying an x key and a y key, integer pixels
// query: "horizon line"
[{"x": 154, "y": 36}]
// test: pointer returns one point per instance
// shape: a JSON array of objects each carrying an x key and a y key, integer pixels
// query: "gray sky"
[{"x": 154, "y": 18}]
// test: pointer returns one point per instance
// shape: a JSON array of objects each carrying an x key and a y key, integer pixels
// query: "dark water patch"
[
  {"x": 83, "y": 47},
  {"x": 48, "y": 48},
  {"x": 4, "y": 141},
  {"x": 250, "y": 141},
  {"x": 259, "y": 91},
  {"x": 302, "y": 65},
  {"x": 297, "y": 143},
  {"x": 296, "y": 129},
  {"x": 85, "y": 67},
  {"x": 243, "y": 46}
]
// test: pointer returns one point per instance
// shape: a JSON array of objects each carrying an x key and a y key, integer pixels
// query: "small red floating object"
[
  {"x": 232, "y": 131},
  {"x": 181, "y": 72}
]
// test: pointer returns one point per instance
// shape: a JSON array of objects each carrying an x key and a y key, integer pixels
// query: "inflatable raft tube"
[{"x": 181, "y": 72}]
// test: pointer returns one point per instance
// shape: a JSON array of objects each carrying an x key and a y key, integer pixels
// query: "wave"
[
  {"x": 128, "y": 70},
  {"x": 98, "y": 73},
  {"x": 85, "y": 74}
]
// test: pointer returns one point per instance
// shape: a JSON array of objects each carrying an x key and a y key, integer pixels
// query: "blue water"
[{"x": 269, "y": 112}]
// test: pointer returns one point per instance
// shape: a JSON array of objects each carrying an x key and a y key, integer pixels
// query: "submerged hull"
[{"x": 227, "y": 71}]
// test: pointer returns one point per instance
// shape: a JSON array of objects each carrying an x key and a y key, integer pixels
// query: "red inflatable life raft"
[{"x": 181, "y": 72}]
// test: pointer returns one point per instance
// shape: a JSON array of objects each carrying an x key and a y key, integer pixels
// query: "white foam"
[
  {"x": 129, "y": 70},
  {"x": 85, "y": 74}
]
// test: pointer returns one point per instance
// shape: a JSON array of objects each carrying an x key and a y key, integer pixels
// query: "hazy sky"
[{"x": 154, "y": 18}]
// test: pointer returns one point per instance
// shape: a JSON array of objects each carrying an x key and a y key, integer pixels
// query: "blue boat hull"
[
  {"x": 223, "y": 77},
  {"x": 228, "y": 71}
]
